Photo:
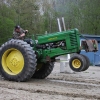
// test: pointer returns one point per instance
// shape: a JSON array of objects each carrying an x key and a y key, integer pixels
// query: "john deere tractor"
[{"x": 21, "y": 60}]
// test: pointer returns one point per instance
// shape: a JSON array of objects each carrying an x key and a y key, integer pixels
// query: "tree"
[{"x": 6, "y": 22}]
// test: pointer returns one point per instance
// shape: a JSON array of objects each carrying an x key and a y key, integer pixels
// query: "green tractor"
[{"x": 34, "y": 58}]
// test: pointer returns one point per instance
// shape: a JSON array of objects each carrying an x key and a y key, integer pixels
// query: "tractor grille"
[{"x": 73, "y": 39}]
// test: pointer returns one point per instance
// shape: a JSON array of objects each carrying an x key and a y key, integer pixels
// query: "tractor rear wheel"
[
  {"x": 77, "y": 63},
  {"x": 17, "y": 61},
  {"x": 43, "y": 70}
]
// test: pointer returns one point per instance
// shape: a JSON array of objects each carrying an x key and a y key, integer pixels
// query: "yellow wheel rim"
[
  {"x": 76, "y": 63},
  {"x": 12, "y": 61}
]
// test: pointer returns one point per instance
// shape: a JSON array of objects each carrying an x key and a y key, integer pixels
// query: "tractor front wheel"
[
  {"x": 77, "y": 63},
  {"x": 87, "y": 63}
]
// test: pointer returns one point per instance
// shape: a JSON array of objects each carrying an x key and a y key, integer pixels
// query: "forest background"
[{"x": 40, "y": 16}]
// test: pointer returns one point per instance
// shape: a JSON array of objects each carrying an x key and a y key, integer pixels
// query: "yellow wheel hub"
[
  {"x": 12, "y": 61},
  {"x": 76, "y": 63}
]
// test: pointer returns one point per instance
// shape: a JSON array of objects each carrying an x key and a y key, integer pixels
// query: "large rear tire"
[
  {"x": 18, "y": 61},
  {"x": 77, "y": 63},
  {"x": 43, "y": 70}
]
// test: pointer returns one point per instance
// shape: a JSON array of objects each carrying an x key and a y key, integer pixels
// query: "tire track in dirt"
[
  {"x": 62, "y": 85},
  {"x": 67, "y": 77},
  {"x": 50, "y": 89}
]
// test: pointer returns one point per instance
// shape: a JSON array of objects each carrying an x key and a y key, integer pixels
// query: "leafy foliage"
[{"x": 40, "y": 16}]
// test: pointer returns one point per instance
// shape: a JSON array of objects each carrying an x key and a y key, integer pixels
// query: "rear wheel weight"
[
  {"x": 77, "y": 63},
  {"x": 18, "y": 61},
  {"x": 12, "y": 61}
]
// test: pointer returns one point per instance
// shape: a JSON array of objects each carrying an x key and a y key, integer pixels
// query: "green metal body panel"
[{"x": 72, "y": 44}]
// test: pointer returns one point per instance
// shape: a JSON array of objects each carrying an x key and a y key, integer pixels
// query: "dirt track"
[{"x": 57, "y": 86}]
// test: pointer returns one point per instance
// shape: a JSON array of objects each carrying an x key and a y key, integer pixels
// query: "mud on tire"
[{"x": 18, "y": 61}]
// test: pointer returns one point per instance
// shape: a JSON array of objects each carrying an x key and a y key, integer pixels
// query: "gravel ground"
[{"x": 57, "y": 86}]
